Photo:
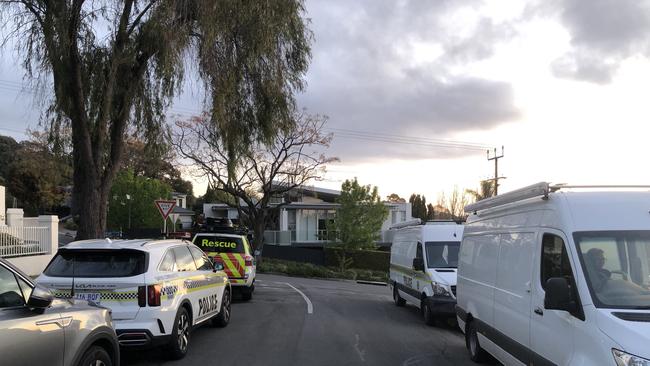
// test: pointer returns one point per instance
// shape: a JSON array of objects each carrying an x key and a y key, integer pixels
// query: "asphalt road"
[{"x": 349, "y": 324}]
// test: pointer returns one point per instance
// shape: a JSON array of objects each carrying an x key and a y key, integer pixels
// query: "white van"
[
  {"x": 557, "y": 275},
  {"x": 423, "y": 261}
]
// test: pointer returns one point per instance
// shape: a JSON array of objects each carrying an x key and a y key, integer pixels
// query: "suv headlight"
[
  {"x": 626, "y": 359},
  {"x": 439, "y": 289}
]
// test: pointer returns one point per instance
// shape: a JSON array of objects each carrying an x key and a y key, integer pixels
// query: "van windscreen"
[
  {"x": 219, "y": 244},
  {"x": 442, "y": 254},
  {"x": 97, "y": 263}
]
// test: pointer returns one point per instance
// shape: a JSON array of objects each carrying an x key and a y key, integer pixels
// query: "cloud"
[
  {"x": 391, "y": 67},
  {"x": 603, "y": 34}
]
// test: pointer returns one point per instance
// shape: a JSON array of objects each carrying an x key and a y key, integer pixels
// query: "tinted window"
[
  {"x": 184, "y": 260},
  {"x": 442, "y": 254},
  {"x": 168, "y": 263},
  {"x": 555, "y": 261},
  {"x": 97, "y": 263},
  {"x": 201, "y": 260},
  {"x": 220, "y": 244},
  {"x": 10, "y": 294}
]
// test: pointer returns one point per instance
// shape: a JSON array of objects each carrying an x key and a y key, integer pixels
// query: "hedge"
[{"x": 362, "y": 259}]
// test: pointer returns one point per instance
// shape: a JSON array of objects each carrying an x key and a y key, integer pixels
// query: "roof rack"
[
  {"x": 541, "y": 189},
  {"x": 408, "y": 223},
  {"x": 532, "y": 191}
]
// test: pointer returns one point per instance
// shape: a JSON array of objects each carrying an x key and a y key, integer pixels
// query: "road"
[{"x": 350, "y": 324}]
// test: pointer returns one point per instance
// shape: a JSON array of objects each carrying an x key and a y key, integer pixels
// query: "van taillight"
[
  {"x": 248, "y": 261},
  {"x": 142, "y": 296},
  {"x": 153, "y": 292}
]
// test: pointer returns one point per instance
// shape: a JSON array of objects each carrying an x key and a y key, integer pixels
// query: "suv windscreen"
[
  {"x": 442, "y": 254},
  {"x": 97, "y": 263},
  {"x": 617, "y": 267},
  {"x": 220, "y": 244}
]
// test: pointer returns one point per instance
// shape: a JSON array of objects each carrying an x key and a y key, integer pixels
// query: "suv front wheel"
[{"x": 222, "y": 319}]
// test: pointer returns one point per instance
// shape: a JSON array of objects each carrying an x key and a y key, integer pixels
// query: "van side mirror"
[
  {"x": 418, "y": 264},
  {"x": 41, "y": 298},
  {"x": 558, "y": 295},
  {"x": 218, "y": 266}
]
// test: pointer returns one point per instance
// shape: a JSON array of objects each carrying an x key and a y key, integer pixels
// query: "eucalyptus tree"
[{"x": 116, "y": 65}]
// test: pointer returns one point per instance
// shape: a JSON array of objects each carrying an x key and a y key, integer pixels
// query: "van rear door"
[{"x": 107, "y": 277}]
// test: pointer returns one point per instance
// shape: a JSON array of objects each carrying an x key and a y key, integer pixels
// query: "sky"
[{"x": 560, "y": 84}]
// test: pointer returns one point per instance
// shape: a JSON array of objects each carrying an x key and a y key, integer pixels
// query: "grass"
[{"x": 298, "y": 269}]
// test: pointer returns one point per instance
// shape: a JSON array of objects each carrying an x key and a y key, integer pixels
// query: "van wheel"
[
  {"x": 223, "y": 318},
  {"x": 427, "y": 314},
  {"x": 247, "y": 293},
  {"x": 476, "y": 353},
  {"x": 397, "y": 298},
  {"x": 95, "y": 356},
  {"x": 180, "y": 342}
]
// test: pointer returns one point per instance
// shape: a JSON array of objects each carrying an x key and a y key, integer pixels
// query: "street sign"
[{"x": 165, "y": 207}]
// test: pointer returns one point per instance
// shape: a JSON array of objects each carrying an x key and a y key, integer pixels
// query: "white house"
[
  {"x": 304, "y": 218},
  {"x": 180, "y": 212}
]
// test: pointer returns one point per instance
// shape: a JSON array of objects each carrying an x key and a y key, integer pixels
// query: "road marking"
[
  {"x": 310, "y": 307},
  {"x": 360, "y": 352}
]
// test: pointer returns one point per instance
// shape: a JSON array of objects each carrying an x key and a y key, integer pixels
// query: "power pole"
[{"x": 496, "y": 178}]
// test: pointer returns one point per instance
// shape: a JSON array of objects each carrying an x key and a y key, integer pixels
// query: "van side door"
[{"x": 552, "y": 331}]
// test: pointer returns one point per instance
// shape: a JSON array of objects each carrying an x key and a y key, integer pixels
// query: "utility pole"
[{"x": 496, "y": 178}]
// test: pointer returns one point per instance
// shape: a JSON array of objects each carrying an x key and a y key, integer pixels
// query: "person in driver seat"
[{"x": 595, "y": 260}]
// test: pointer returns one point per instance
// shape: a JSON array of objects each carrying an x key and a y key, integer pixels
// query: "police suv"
[
  {"x": 158, "y": 290},
  {"x": 233, "y": 250}
]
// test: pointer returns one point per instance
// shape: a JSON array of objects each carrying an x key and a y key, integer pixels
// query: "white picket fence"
[{"x": 18, "y": 241}]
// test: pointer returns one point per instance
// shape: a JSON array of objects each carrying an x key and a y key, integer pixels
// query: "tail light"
[
  {"x": 153, "y": 293},
  {"x": 142, "y": 296},
  {"x": 248, "y": 261}
]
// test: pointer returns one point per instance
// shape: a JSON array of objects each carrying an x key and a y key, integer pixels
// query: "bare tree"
[
  {"x": 291, "y": 159},
  {"x": 453, "y": 207}
]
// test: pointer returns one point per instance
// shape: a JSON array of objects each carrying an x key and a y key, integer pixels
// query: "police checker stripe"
[
  {"x": 234, "y": 264},
  {"x": 106, "y": 295}
]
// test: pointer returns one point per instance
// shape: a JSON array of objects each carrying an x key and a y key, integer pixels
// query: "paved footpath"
[{"x": 303, "y": 322}]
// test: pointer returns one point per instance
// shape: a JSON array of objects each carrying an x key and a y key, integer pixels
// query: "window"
[
  {"x": 555, "y": 261},
  {"x": 168, "y": 263},
  {"x": 184, "y": 260},
  {"x": 201, "y": 260},
  {"x": 10, "y": 294},
  {"x": 26, "y": 289},
  {"x": 442, "y": 254},
  {"x": 97, "y": 263}
]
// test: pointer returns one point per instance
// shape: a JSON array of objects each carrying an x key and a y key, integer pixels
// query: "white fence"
[{"x": 18, "y": 241}]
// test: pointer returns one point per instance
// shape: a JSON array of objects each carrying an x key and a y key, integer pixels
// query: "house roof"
[{"x": 182, "y": 211}]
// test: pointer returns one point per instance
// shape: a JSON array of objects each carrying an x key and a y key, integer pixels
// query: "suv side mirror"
[
  {"x": 418, "y": 264},
  {"x": 218, "y": 266},
  {"x": 558, "y": 295},
  {"x": 41, "y": 298}
]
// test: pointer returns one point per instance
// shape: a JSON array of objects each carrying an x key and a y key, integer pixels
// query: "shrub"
[
  {"x": 71, "y": 225},
  {"x": 363, "y": 259},
  {"x": 298, "y": 269}
]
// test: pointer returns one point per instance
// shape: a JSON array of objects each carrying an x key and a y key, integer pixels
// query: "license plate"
[{"x": 89, "y": 296}]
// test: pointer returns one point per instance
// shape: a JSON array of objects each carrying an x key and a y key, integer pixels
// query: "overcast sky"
[{"x": 562, "y": 84}]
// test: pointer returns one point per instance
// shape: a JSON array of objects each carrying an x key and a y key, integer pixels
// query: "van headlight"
[
  {"x": 626, "y": 359},
  {"x": 440, "y": 290}
]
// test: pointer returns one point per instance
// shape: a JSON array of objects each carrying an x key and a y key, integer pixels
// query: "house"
[
  {"x": 180, "y": 212},
  {"x": 304, "y": 217}
]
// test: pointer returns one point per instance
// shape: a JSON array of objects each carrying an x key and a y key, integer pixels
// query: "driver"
[{"x": 595, "y": 260}]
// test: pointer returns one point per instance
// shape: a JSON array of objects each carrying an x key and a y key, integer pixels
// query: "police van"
[
  {"x": 423, "y": 261},
  {"x": 232, "y": 249},
  {"x": 158, "y": 290}
]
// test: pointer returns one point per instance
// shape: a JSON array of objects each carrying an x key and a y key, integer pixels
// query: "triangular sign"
[{"x": 165, "y": 207}]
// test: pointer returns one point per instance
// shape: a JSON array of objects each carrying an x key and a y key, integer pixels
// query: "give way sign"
[{"x": 165, "y": 207}]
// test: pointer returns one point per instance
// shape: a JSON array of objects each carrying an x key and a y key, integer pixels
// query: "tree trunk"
[
  {"x": 259, "y": 226},
  {"x": 92, "y": 209}
]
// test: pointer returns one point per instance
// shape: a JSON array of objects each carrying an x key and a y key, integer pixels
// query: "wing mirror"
[
  {"x": 41, "y": 298},
  {"x": 218, "y": 266},
  {"x": 558, "y": 295},
  {"x": 418, "y": 264}
]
